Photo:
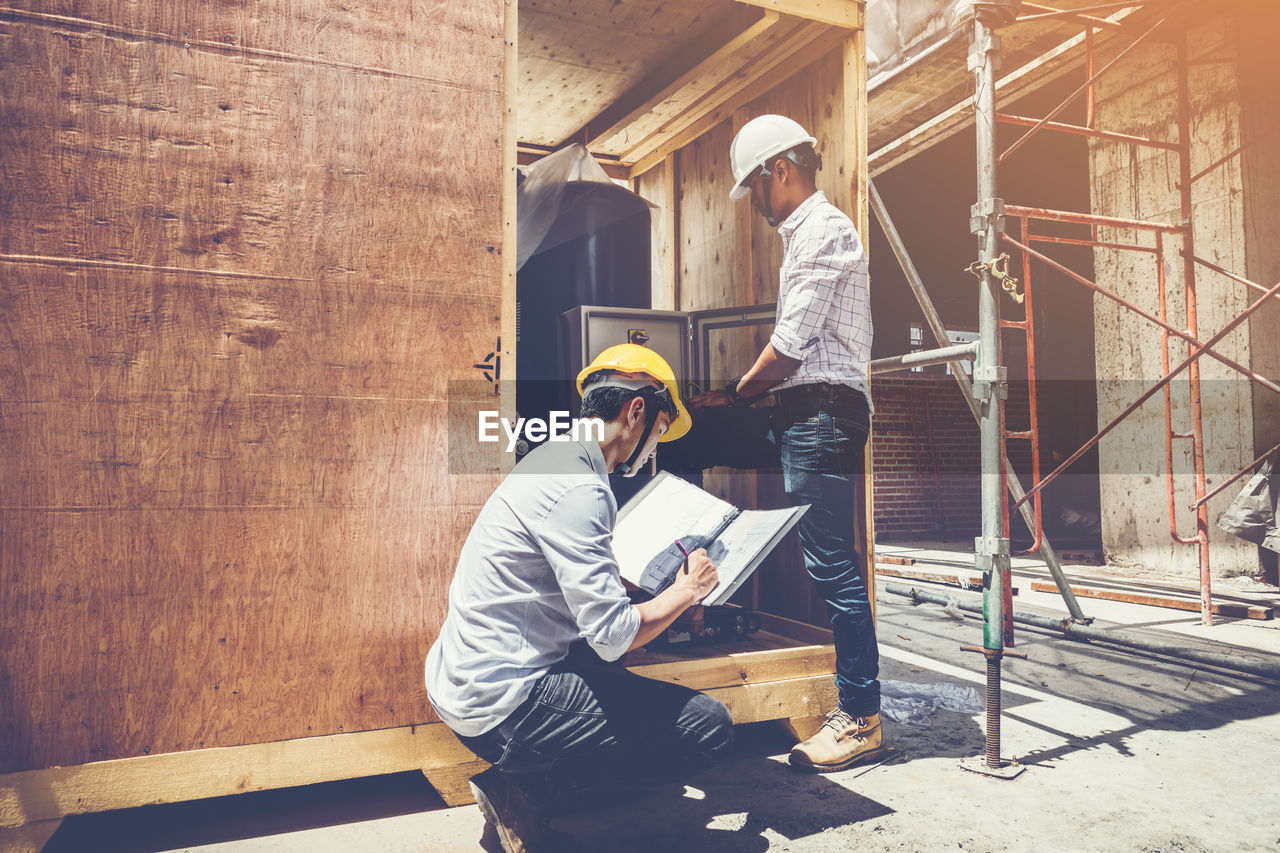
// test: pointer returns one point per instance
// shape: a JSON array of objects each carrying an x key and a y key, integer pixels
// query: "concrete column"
[{"x": 1140, "y": 97}]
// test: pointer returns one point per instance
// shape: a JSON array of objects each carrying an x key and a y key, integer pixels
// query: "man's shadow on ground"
[
  {"x": 750, "y": 802},
  {"x": 754, "y": 801}
]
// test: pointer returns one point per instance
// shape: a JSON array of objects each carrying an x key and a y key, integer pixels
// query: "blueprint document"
[{"x": 670, "y": 509}]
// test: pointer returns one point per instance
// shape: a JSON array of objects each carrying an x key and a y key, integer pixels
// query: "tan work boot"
[
  {"x": 843, "y": 741},
  {"x": 519, "y": 825}
]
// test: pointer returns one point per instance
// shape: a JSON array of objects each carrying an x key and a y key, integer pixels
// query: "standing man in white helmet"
[
  {"x": 523, "y": 668},
  {"x": 816, "y": 366}
]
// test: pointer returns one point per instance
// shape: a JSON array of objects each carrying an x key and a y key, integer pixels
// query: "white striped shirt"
[
  {"x": 536, "y": 573},
  {"x": 824, "y": 306}
]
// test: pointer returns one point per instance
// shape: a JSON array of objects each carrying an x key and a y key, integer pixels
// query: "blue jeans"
[
  {"x": 595, "y": 729},
  {"x": 817, "y": 434},
  {"x": 822, "y": 432}
]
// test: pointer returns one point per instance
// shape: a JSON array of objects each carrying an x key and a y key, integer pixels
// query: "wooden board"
[
  {"x": 800, "y": 703},
  {"x": 758, "y": 658},
  {"x": 244, "y": 261},
  {"x": 40, "y": 795},
  {"x": 783, "y": 671},
  {"x": 713, "y": 265},
  {"x": 505, "y": 348},
  {"x": 788, "y": 58},
  {"x": 702, "y": 87},
  {"x": 658, "y": 186},
  {"x": 28, "y": 838},
  {"x": 1174, "y": 601},
  {"x": 674, "y": 85}
]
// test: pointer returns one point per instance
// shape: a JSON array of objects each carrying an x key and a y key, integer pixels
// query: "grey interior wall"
[
  {"x": 1259, "y": 69},
  {"x": 1139, "y": 97}
]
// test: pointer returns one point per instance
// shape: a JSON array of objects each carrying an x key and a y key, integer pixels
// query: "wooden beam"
[
  {"x": 730, "y": 670},
  {"x": 942, "y": 577},
  {"x": 510, "y": 140},
  {"x": 451, "y": 782},
  {"x": 1232, "y": 610},
  {"x": 778, "y": 700},
  {"x": 30, "y": 838},
  {"x": 37, "y": 795},
  {"x": 715, "y": 107},
  {"x": 670, "y": 296},
  {"x": 669, "y": 87},
  {"x": 807, "y": 45},
  {"x": 801, "y": 631},
  {"x": 744, "y": 261},
  {"x": 854, "y": 132},
  {"x": 847, "y": 14},
  {"x": 808, "y": 699}
]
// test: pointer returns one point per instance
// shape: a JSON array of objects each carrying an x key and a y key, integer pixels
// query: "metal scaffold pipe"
[
  {"x": 945, "y": 355},
  {"x": 990, "y": 386},
  {"x": 1090, "y": 633},
  {"x": 990, "y": 382},
  {"x": 1189, "y": 287}
]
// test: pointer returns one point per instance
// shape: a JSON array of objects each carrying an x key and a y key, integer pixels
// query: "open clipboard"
[{"x": 669, "y": 508}]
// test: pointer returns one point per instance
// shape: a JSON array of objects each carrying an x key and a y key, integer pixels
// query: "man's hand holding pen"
[{"x": 699, "y": 573}]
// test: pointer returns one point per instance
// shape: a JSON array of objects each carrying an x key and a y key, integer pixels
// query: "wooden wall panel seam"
[
  {"x": 84, "y": 25},
  {"x": 94, "y": 263},
  {"x": 383, "y": 286}
]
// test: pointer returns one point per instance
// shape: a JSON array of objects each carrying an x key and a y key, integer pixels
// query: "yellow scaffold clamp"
[{"x": 1000, "y": 269}]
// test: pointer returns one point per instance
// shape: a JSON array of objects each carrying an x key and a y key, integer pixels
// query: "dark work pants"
[
  {"x": 816, "y": 434},
  {"x": 592, "y": 729}
]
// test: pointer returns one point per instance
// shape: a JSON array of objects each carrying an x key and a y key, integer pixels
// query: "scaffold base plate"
[{"x": 978, "y": 764}]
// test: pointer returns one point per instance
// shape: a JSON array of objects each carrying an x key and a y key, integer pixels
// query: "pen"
[{"x": 686, "y": 556}]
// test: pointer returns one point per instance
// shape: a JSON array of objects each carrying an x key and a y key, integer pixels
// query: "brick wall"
[
  {"x": 909, "y": 499},
  {"x": 925, "y": 456}
]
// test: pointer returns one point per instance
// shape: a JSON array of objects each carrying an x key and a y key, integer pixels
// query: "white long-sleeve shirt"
[
  {"x": 824, "y": 306},
  {"x": 536, "y": 572}
]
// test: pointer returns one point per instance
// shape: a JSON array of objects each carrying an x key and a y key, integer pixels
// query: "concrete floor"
[{"x": 1123, "y": 752}]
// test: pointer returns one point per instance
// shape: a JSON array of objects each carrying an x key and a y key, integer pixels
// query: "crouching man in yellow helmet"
[{"x": 522, "y": 670}]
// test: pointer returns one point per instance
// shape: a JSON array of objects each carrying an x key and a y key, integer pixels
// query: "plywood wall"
[
  {"x": 659, "y": 186},
  {"x": 242, "y": 256}
]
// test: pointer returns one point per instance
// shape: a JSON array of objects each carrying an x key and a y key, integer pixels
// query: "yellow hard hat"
[{"x": 633, "y": 358}]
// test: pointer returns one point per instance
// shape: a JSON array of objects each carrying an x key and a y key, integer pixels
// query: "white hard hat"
[{"x": 761, "y": 138}]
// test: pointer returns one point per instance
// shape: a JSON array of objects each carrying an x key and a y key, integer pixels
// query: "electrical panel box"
[{"x": 704, "y": 348}]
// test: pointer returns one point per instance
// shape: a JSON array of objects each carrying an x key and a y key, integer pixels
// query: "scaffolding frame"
[
  {"x": 1185, "y": 230},
  {"x": 989, "y": 390}
]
